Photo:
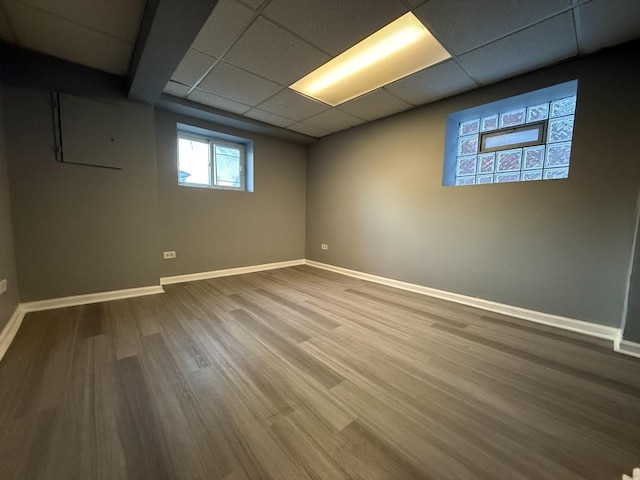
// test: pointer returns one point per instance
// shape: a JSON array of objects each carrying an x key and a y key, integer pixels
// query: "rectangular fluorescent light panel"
[{"x": 401, "y": 48}]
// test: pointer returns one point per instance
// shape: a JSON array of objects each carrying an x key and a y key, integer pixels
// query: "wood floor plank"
[
  {"x": 270, "y": 318},
  {"x": 257, "y": 452},
  {"x": 188, "y": 439},
  {"x": 293, "y": 354},
  {"x": 300, "y": 373},
  {"x": 144, "y": 442},
  {"x": 304, "y": 452}
]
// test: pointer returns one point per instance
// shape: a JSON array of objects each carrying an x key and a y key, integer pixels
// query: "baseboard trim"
[
  {"x": 90, "y": 298},
  {"x": 580, "y": 326},
  {"x": 609, "y": 333},
  {"x": 10, "y": 329},
  {"x": 628, "y": 348},
  {"x": 192, "y": 277}
]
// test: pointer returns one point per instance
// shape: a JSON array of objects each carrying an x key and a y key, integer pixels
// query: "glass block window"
[
  {"x": 525, "y": 138},
  {"x": 469, "y": 127},
  {"x": 486, "y": 163},
  {"x": 533, "y": 158},
  {"x": 489, "y": 123},
  {"x": 468, "y": 145},
  {"x": 511, "y": 119}
]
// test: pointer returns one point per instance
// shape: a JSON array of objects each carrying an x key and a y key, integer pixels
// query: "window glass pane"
[
  {"x": 482, "y": 179},
  {"x": 513, "y": 118},
  {"x": 560, "y": 129},
  {"x": 514, "y": 138},
  {"x": 466, "y": 165},
  {"x": 558, "y": 155},
  {"x": 538, "y": 112},
  {"x": 470, "y": 127},
  {"x": 465, "y": 181},
  {"x": 565, "y": 106},
  {"x": 555, "y": 173},
  {"x": 193, "y": 161},
  {"x": 509, "y": 160},
  {"x": 507, "y": 177},
  {"x": 486, "y": 162},
  {"x": 533, "y": 158},
  {"x": 468, "y": 145},
  {"x": 489, "y": 123},
  {"x": 227, "y": 166},
  {"x": 531, "y": 175}
]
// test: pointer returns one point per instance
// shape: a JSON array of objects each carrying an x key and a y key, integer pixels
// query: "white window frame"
[{"x": 212, "y": 141}]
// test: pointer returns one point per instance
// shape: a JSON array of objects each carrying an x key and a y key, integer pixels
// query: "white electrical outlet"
[
  {"x": 3, "y": 286},
  {"x": 169, "y": 254},
  {"x": 324, "y": 246}
]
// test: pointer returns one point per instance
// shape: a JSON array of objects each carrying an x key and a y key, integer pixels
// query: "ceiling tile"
[
  {"x": 334, "y": 25},
  {"x": 606, "y": 23},
  {"x": 176, "y": 89},
  {"x": 274, "y": 53},
  {"x": 433, "y": 83},
  {"x": 118, "y": 18},
  {"x": 535, "y": 47},
  {"x": 236, "y": 84},
  {"x": 255, "y": 4},
  {"x": 290, "y": 104},
  {"x": 374, "y": 105},
  {"x": 267, "y": 117},
  {"x": 308, "y": 130},
  {"x": 192, "y": 67},
  {"x": 225, "y": 24},
  {"x": 55, "y": 36},
  {"x": 333, "y": 120},
  {"x": 206, "y": 98},
  {"x": 462, "y": 25}
]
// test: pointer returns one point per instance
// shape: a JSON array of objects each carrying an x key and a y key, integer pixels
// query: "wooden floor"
[{"x": 300, "y": 373}]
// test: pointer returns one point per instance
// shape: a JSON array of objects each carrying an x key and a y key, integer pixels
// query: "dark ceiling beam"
[
  {"x": 192, "y": 110},
  {"x": 168, "y": 29},
  {"x": 27, "y": 68}
]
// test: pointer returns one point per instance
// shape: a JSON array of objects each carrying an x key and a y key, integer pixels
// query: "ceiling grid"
[{"x": 249, "y": 52}]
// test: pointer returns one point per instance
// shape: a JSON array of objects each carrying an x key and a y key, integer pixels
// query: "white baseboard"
[
  {"x": 90, "y": 298},
  {"x": 628, "y": 348},
  {"x": 580, "y": 326},
  {"x": 587, "y": 328},
  {"x": 192, "y": 277},
  {"x": 10, "y": 329}
]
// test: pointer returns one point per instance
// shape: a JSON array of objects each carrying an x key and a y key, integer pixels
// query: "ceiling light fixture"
[{"x": 401, "y": 48}]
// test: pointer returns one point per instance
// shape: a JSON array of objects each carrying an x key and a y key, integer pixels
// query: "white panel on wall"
[{"x": 90, "y": 131}]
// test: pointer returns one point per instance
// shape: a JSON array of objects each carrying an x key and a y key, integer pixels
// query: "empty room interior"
[{"x": 304, "y": 239}]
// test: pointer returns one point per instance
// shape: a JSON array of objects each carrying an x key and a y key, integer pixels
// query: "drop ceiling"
[
  {"x": 96, "y": 33},
  {"x": 249, "y": 51}
]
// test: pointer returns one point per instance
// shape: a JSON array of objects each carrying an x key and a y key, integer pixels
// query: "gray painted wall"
[
  {"x": 374, "y": 195},
  {"x": 80, "y": 229},
  {"x": 9, "y": 301},
  {"x": 217, "y": 229}
]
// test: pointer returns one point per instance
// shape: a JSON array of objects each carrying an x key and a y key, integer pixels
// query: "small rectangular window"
[
  {"x": 228, "y": 164},
  {"x": 194, "y": 161},
  {"x": 523, "y": 136},
  {"x": 211, "y": 162}
]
